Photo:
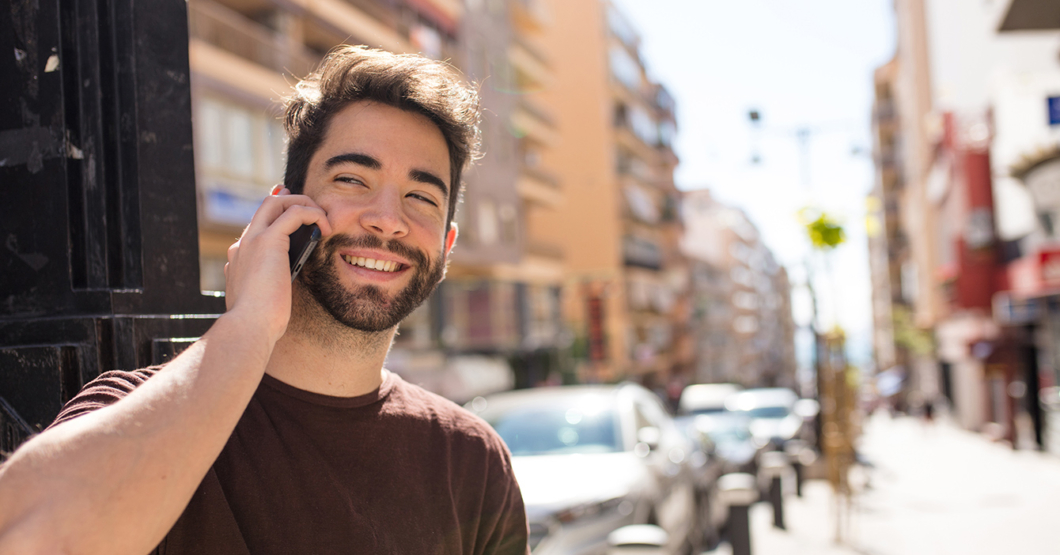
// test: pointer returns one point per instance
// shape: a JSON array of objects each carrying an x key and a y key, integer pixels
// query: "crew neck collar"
[{"x": 381, "y": 392}]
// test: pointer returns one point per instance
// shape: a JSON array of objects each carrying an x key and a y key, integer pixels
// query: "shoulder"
[
  {"x": 106, "y": 389},
  {"x": 448, "y": 417}
]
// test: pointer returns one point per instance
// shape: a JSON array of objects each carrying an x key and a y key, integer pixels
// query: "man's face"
[{"x": 382, "y": 176}]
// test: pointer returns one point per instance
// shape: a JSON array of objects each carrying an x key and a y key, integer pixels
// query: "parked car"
[
  {"x": 773, "y": 419},
  {"x": 708, "y": 465},
  {"x": 705, "y": 398},
  {"x": 592, "y": 459},
  {"x": 733, "y": 443}
]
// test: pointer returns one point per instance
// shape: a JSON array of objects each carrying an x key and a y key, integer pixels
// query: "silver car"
[
  {"x": 774, "y": 421},
  {"x": 592, "y": 459}
]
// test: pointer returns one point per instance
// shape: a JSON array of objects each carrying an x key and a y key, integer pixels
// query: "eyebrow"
[
  {"x": 353, "y": 158},
  {"x": 430, "y": 179},
  {"x": 421, "y": 176}
]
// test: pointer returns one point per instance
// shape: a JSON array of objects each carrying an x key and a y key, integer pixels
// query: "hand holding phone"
[{"x": 303, "y": 241}]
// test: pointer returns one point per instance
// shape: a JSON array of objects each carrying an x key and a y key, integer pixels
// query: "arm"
[
  {"x": 503, "y": 524},
  {"x": 75, "y": 487}
]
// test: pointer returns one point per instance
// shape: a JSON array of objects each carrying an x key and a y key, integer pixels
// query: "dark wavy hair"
[{"x": 409, "y": 82}]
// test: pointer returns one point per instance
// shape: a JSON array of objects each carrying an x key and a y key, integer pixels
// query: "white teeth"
[{"x": 371, "y": 263}]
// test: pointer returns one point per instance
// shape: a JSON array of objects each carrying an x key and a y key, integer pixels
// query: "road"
[{"x": 933, "y": 490}]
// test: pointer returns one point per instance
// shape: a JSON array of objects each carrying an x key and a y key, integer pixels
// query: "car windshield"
[
  {"x": 707, "y": 410},
  {"x": 730, "y": 435},
  {"x": 557, "y": 429},
  {"x": 768, "y": 412}
]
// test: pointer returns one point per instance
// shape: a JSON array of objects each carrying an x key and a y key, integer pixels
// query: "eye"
[
  {"x": 349, "y": 180},
  {"x": 423, "y": 198}
]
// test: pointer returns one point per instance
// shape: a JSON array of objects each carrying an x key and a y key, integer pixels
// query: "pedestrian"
[
  {"x": 929, "y": 411},
  {"x": 279, "y": 431}
]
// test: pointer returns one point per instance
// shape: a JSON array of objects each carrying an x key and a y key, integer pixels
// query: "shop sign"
[
  {"x": 1014, "y": 311},
  {"x": 230, "y": 207},
  {"x": 1053, "y": 102},
  {"x": 1049, "y": 266}
]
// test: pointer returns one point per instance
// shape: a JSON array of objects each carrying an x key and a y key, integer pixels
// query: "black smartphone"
[{"x": 303, "y": 241}]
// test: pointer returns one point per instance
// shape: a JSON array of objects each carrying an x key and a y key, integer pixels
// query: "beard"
[{"x": 366, "y": 308}]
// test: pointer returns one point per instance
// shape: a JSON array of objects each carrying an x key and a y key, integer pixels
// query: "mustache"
[{"x": 345, "y": 241}]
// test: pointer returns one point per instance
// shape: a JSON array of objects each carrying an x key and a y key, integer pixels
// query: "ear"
[{"x": 450, "y": 238}]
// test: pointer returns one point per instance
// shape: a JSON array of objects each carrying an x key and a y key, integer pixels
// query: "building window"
[
  {"x": 624, "y": 67},
  {"x": 238, "y": 142},
  {"x": 643, "y": 125},
  {"x": 488, "y": 228}
]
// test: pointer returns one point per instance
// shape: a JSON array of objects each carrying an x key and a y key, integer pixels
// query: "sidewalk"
[
  {"x": 810, "y": 525},
  {"x": 933, "y": 490}
]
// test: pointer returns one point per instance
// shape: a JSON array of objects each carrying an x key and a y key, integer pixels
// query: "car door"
[{"x": 669, "y": 464}]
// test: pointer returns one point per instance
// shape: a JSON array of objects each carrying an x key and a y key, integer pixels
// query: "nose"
[{"x": 385, "y": 216}]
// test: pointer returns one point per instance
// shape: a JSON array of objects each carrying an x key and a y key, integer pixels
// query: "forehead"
[{"x": 390, "y": 134}]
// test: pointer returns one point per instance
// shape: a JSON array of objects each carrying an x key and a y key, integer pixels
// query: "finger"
[
  {"x": 274, "y": 206},
  {"x": 297, "y": 216},
  {"x": 232, "y": 250}
]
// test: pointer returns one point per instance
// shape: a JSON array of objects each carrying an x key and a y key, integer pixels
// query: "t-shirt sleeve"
[
  {"x": 108, "y": 388},
  {"x": 504, "y": 527}
]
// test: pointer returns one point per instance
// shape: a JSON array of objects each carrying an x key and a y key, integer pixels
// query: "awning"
[{"x": 1031, "y": 15}]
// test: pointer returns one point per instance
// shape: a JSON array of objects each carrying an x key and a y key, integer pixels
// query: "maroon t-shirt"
[{"x": 399, "y": 470}]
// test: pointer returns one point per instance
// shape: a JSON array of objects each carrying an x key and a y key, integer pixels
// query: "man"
[{"x": 279, "y": 431}]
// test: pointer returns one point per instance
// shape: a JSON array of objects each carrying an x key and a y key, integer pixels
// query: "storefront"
[{"x": 1028, "y": 308}]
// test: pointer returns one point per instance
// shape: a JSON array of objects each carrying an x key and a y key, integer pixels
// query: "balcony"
[
  {"x": 544, "y": 249},
  {"x": 540, "y": 187},
  {"x": 884, "y": 111},
  {"x": 529, "y": 121},
  {"x": 630, "y": 166},
  {"x": 230, "y": 31},
  {"x": 641, "y": 253},
  {"x": 532, "y": 70},
  {"x": 350, "y": 21},
  {"x": 529, "y": 16},
  {"x": 632, "y": 141},
  {"x": 444, "y": 13}
]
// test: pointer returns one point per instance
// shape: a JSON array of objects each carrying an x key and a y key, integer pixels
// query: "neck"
[{"x": 321, "y": 355}]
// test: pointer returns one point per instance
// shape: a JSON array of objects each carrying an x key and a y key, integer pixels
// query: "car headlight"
[
  {"x": 588, "y": 510},
  {"x": 541, "y": 530}
]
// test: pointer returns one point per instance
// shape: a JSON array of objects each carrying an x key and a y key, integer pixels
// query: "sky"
[{"x": 801, "y": 64}]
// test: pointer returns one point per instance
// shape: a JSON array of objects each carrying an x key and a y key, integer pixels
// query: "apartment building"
[
  {"x": 907, "y": 304},
  {"x": 500, "y": 306},
  {"x": 972, "y": 95},
  {"x": 743, "y": 327},
  {"x": 626, "y": 286},
  {"x": 890, "y": 259},
  {"x": 501, "y": 298},
  {"x": 1026, "y": 143}
]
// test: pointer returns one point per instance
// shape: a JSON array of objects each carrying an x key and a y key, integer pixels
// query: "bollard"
[
  {"x": 638, "y": 539},
  {"x": 774, "y": 463},
  {"x": 795, "y": 449},
  {"x": 738, "y": 491}
]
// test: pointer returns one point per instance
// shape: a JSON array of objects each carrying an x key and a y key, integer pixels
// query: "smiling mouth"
[{"x": 373, "y": 264}]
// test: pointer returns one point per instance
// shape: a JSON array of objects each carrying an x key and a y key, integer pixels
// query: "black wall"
[{"x": 99, "y": 264}]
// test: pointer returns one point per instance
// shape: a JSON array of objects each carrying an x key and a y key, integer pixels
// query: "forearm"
[{"x": 77, "y": 487}]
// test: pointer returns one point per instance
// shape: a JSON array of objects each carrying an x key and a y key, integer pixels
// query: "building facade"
[
  {"x": 743, "y": 327},
  {"x": 626, "y": 294},
  {"x": 966, "y": 260}
]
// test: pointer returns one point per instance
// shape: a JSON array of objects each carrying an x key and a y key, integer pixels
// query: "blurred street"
[{"x": 934, "y": 489}]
